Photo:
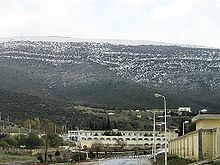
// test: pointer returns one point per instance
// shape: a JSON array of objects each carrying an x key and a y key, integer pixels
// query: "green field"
[{"x": 10, "y": 158}]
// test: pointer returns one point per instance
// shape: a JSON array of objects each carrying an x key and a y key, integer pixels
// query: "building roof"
[{"x": 205, "y": 117}]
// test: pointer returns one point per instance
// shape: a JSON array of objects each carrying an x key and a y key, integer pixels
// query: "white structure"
[
  {"x": 130, "y": 138},
  {"x": 184, "y": 109}
]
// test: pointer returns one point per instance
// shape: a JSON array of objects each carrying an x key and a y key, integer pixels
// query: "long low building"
[{"x": 130, "y": 138}]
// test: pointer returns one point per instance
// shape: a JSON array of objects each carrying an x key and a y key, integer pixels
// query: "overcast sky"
[{"x": 173, "y": 21}]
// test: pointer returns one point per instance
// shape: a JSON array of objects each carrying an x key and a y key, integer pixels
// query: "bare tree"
[
  {"x": 121, "y": 144},
  {"x": 97, "y": 147}
]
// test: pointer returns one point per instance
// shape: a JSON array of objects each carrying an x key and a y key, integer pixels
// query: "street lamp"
[
  {"x": 154, "y": 145},
  {"x": 176, "y": 130},
  {"x": 185, "y": 122},
  {"x": 111, "y": 114},
  {"x": 203, "y": 111},
  {"x": 165, "y": 121}
]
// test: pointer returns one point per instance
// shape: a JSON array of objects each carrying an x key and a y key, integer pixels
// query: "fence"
[{"x": 198, "y": 145}]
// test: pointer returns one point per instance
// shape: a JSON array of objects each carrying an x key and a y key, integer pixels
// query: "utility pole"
[
  {"x": 154, "y": 145},
  {"x": 46, "y": 148},
  {"x": 55, "y": 128},
  {"x": 165, "y": 121},
  {"x": 29, "y": 126}
]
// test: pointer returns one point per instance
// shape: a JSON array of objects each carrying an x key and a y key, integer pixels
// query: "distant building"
[
  {"x": 138, "y": 116},
  {"x": 184, "y": 109},
  {"x": 129, "y": 138},
  {"x": 202, "y": 144}
]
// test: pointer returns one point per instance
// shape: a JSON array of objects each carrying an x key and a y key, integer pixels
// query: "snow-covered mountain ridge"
[
  {"x": 151, "y": 65},
  {"x": 69, "y": 64},
  {"x": 111, "y": 41}
]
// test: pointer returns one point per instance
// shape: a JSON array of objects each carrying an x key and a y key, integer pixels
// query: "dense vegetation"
[{"x": 20, "y": 107}]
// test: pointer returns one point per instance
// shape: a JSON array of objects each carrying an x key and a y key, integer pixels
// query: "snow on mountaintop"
[
  {"x": 111, "y": 41},
  {"x": 160, "y": 66},
  {"x": 66, "y": 65}
]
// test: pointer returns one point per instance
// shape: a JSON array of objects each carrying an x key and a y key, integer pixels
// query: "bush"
[
  {"x": 174, "y": 160},
  {"x": 92, "y": 155},
  {"x": 78, "y": 156},
  {"x": 33, "y": 141},
  {"x": 15, "y": 152},
  {"x": 4, "y": 144},
  {"x": 11, "y": 141},
  {"x": 30, "y": 141},
  {"x": 40, "y": 157}
]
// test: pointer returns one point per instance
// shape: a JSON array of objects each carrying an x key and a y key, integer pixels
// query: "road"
[{"x": 122, "y": 161}]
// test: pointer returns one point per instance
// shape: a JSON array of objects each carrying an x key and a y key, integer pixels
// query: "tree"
[
  {"x": 47, "y": 126},
  {"x": 191, "y": 127},
  {"x": 39, "y": 157},
  {"x": 50, "y": 157},
  {"x": 121, "y": 144},
  {"x": 108, "y": 126},
  {"x": 33, "y": 141},
  {"x": 54, "y": 140},
  {"x": 27, "y": 123},
  {"x": 116, "y": 125},
  {"x": 11, "y": 141},
  {"x": 57, "y": 153},
  {"x": 3, "y": 144},
  {"x": 36, "y": 123},
  {"x": 91, "y": 126},
  {"x": 97, "y": 147},
  {"x": 21, "y": 140},
  {"x": 103, "y": 125},
  {"x": 30, "y": 141},
  {"x": 181, "y": 127}
]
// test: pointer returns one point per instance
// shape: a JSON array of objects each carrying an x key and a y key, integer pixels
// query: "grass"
[
  {"x": 9, "y": 158},
  {"x": 172, "y": 161}
]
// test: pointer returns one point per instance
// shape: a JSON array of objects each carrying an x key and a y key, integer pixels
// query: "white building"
[
  {"x": 184, "y": 109},
  {"x": 130, "y": 138}
]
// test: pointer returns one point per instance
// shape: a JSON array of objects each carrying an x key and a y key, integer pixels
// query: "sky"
[{"x": 194, "y": 22}]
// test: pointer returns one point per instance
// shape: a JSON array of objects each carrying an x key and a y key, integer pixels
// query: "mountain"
[
  {"x": 107, "y": 74},
  {"x": 20, "y": 107}
]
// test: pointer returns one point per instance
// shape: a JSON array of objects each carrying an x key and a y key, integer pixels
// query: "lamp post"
[
  {"x": 154, "y": 145},
  {"x": 165, "y": 121},
  {"x": 203, "y": 111},
  {"x": 185, "y": 122}
]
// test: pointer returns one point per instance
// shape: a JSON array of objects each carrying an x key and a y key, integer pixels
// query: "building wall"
[
  {"x": 188, "y": 146},
  {"x": 207, "y": 143},
  {"x": 129, "y": 138},
  {"x": 185, "y": 146},
  {"x": 207, "y": 124}
]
